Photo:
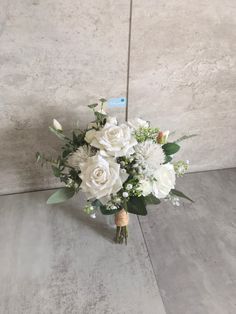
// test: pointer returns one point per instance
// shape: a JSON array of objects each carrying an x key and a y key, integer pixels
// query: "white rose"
[
  {"x": 112, "y": 120},
  {"x": 145, "y": 187},
  {"x": 138, "y": 123},
  {"x": 165, "y": 180},
  {"x": 100, "y": 177},
  {"x": 114, "y": 140}
]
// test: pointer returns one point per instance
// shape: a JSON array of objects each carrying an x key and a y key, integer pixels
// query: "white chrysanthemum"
[
  {"x": 150, "y": 155},
  {"x": 79, "y": 156}
]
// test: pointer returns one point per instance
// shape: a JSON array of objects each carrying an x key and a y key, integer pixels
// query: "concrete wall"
[
  {"x": 183, "y": 74},
  {"x": 57, "y": 56}
]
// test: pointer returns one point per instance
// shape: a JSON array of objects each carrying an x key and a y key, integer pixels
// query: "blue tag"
[{"x": 117, "y": 102}]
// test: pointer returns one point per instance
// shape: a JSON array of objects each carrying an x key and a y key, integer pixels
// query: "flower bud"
[
  {"x": 57, "y": 126},
  {"x": 162, "y": 137}
]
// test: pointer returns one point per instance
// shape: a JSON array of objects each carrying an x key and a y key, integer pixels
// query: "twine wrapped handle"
[{"x": 121, "y": 221}]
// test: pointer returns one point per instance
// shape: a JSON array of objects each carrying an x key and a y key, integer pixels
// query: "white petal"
[{"x": 57, "y": 125}]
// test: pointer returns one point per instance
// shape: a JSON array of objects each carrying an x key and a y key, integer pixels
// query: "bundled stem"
[{"x": 121, "y": 220}]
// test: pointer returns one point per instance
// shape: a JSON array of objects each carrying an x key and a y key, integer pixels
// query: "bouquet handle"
[{"x": 121, "y": 221}]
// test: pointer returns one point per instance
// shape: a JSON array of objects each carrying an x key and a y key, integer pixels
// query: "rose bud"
[{"x": 162, "y": 137}]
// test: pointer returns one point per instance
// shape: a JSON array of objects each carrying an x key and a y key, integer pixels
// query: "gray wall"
[
  {"x": 57, "y": 56},
  {"x": 183, "y": 74}
]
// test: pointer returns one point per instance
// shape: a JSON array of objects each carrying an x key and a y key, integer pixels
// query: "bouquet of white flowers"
[{"x": 121, "y": 167}]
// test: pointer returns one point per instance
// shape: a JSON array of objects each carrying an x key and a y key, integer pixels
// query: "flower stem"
[{"x": 121, "y": 234}]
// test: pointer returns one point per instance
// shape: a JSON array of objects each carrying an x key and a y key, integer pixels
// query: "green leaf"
[
  {"x": 102, "y": 100},
  {"x": 106, "y": 211},
  {"x": 137, "y": 206},
  {"x": 56, "y": 171},
  {"x": 180, "y": 194},
  {"x": 60, "y": 135},
  {"x": 61, "y": 195},
  {"x": 185, "y": 137},
  {"x": 100, "y": 118},
  {"x": 66, "y": 153},
  {"x": 167, "y": 159},
  {"x": 38, "y": 156},
  {"x": 74, "y": 137},
  {"x": 98, "y": 205},
  {"x": 151, "y": 199},
  {"x": 92, "y": 106},
  {"x": 170, "y": 148}
]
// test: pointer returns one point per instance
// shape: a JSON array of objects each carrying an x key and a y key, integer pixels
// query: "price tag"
[{"x": 117, "y": 102}]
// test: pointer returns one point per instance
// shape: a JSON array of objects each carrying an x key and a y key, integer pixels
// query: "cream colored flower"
[
  {"x": 113, "y": 140},
  {"x": 112, "y": 120},
  {"x": 100, "y": 177},
  {"x": 164, "y": 181},
  {"x": 138, "y": 123},
  {"x": 145, "y": 186}
]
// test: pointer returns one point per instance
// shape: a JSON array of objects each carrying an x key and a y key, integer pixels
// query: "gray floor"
[{"x": 178, "y": 260}]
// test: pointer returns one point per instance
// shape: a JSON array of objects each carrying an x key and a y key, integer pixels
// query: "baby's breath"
[{"x": 143, "y": 134}]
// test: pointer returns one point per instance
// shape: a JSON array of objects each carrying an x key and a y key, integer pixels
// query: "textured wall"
[
  {"x": 183, "y": 74},
  {"x": 55, "y": 57}
]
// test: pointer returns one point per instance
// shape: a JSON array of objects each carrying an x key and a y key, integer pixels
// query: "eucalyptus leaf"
[
  {"x": 38, "y": 156},
  {"x": 56, "y": 171},
  {"x": 61, "y": 195},
  {"x": 185, "y": 137},
  {"x": 137, "y": 206},
  {"x": 102, "y": 99},
  {"x": 170, "y": 148},
  {"x": 59, "y": 134},
  {"x": 180, "y": 194},
  {"x": 92, "y": 106},
  {"x": 151, "y": 199}
]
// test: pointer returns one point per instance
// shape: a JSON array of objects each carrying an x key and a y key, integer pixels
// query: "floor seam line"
[{"x": 149, "y": 257}]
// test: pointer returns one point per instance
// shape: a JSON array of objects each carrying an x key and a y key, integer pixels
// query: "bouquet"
[{"x": 121, "y": 168}]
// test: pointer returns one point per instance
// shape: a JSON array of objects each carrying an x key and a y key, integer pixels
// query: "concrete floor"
[{"x": 54, "y": 259}]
